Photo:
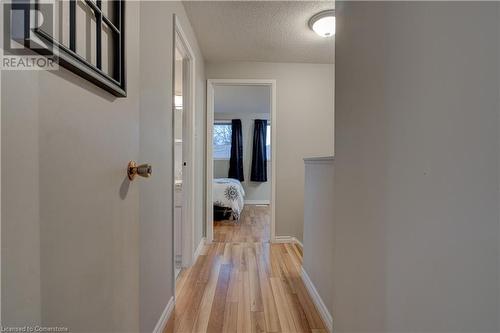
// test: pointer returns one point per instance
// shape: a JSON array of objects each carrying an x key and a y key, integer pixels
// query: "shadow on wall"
[{"x": 124, "y": 188}]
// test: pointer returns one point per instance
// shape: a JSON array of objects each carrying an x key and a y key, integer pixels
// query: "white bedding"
[{"x": 228, "y": 192}]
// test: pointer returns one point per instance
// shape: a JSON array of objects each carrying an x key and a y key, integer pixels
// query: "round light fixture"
[{"x": 323, "y": 23}]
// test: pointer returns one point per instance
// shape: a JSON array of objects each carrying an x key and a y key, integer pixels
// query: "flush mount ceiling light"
[{"x": 323, "y": 23}]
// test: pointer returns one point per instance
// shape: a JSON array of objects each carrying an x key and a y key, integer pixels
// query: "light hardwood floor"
[
  {"x": 244, "y": 284},
  {"x": 253, "y": 226}
]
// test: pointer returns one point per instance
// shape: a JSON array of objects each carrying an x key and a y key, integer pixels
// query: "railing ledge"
[{"x": 319, "y": 159}]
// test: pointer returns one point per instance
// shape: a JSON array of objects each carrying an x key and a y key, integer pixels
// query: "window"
[
  {"x": 268, "y": 141},
  {"x": 222, "y": 141},
  {"x": 90, "y": 42}
]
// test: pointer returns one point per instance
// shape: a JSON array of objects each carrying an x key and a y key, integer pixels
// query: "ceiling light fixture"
[{"x": 323, "y": 23}]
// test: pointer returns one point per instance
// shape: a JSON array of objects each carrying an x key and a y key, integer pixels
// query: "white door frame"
[
  {"x": 1, "y": 41},
  {"x": 211, "y": 83},
  {"x": 181, "y": 42}
]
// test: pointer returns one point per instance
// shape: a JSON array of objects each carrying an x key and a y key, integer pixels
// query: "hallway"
[{"x": 244, "y": 284}]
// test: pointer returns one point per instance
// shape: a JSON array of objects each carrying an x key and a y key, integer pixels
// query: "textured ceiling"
[
  {"x": 242, "y": 99},
  {"x": 270, "y": 31}
]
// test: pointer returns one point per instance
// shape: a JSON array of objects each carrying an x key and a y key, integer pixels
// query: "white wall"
[
  {"x": 83, "y": 247},
  {"x": 417, "y": 167},
  {"x": 304, "y": 105},
  {"x": 242, "y": 99},
  {"x": 254, "y": 191},
  {"x": 318, "y": 227},
  {"x": 20, "y": 223},
  {"x": 156, "y": 284}
]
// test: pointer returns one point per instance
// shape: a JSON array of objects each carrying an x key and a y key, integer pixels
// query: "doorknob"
[{"x": 143, "y": 170}]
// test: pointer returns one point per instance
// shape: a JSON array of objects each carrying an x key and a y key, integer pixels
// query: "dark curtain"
[
  {"x": 259, "y": 154},
  {"x": 236, "y": 161}
]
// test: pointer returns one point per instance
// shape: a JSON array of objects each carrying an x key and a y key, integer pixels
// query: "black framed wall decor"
[{"x": 88, "y": 38}]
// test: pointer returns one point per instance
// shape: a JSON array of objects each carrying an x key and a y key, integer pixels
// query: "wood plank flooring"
[
  {"x": 244, "y": 284},
  {"x": 253, "y": 226}
]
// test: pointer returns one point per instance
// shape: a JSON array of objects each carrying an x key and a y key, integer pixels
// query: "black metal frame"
[{"x": 69, "y": 59}]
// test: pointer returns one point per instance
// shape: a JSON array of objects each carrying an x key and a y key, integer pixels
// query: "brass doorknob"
[{"x": 143, "y": 170}]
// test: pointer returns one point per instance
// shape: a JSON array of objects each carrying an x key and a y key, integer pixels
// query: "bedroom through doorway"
[{"x": 241, "y": 132}]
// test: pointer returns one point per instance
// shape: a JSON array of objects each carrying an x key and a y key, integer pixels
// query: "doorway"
[
  {"x": 183, "y": 150},
  {"x": 242, "y": 113}
]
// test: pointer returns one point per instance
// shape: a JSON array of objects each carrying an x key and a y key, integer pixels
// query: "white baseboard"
[
  {"x": 318, "y": 302},
  {"x": 162, "y": 322},
  {"x": 257, "y": 202},
  {"x": 199, "y": 249},
  {"x": 298, "y": 242},
  {"x": 287, "y": 239}
]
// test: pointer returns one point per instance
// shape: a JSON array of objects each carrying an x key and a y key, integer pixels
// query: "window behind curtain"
[
  {"x": 268, "y": 141},
  {"x": 222, "y": 141}
]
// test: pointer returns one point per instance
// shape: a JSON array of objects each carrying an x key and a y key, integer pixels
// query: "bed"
[{"x": 228, "y": 198}]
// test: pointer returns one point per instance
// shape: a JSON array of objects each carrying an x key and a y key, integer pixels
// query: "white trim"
[
  {"x": 199, "y": 249},
  {"x": 1, "y": 225},
  {"x": 318, "y": 301},
  {"x": 162, "y": 322},
  {"x": 209, "y": 165},
  {"x": 273, "y": 158},
  {"x": 299, "y": 243},
  {"x": 181, "y": 41},
  {"x": 287, "y": 239},
  {"x": 1, "y": 43},
  {"x": 211, "y": 83},
  {"x": 257, "y": 202}
]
